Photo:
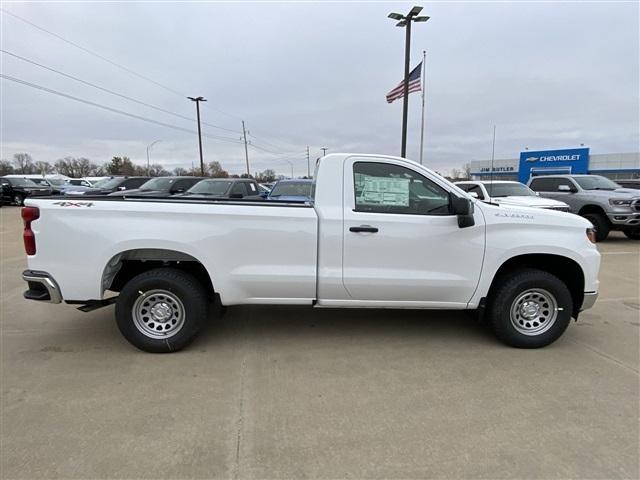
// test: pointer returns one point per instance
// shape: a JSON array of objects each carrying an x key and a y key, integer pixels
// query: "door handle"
[{"x": 364, "y": 228}]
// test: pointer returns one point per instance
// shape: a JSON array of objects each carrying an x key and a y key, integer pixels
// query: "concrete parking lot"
[{"x": 301, "y": 393}]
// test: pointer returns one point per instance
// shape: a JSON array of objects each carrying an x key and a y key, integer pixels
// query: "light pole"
[
  {"x": 324, "y": 150},
  {"x": 405, "y": 21},
  {"x": 198, "y": 100},
  {"x": 289, "y": 162},
  {"x": 149, "y": 148}
]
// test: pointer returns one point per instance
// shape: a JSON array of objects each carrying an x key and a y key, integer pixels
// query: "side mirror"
[
  {"x": 463, "y": 208},
  {"x": 122, "y": 188},
  {"x": 567, "y": 188},
  {"x": 473, "y": 194},
  {"x": 537, "y": 194},
  {"x": 236, "y": 195},
  {"x": 178, "y": 190}
]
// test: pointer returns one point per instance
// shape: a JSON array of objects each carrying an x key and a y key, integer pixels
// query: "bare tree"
[
  {"x": 215, "y": 170},
  {"x": 180, "y": 172},
  {"x": 467, "y": 172},
  {"x": 43, "y": 167},
  {"x": 23, "y": 162},
  {"x": 455, "y": 173},
  {"x": 267, "y": 175},
  {"x": 5, "y": 167}
]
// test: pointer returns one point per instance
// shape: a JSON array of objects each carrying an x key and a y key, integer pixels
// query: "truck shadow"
[{"x": 267, "y": 323}]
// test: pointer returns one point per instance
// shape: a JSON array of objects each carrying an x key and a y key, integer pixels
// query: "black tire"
[
  {"x": 601, "y": 224},
  {"x": 633, "y": 234},
  {"x": 508, "y": 293},
  {"x": 177, "y": 294},
  {"x": 18, "y": 200}
]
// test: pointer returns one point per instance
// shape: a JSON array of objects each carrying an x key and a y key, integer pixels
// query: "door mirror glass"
[
  {"x": 473, "y": 194},
  {"x": 122, "y": 188}
]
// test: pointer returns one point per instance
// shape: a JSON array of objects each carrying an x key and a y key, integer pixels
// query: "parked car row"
[
  {"x": 605, "y": 203},
  {"x": 16, "y": 189}
]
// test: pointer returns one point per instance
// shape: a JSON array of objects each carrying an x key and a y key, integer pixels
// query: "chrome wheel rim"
[
  {"x": 534, "y": 311},
  {"x": 158, "y": 314}
]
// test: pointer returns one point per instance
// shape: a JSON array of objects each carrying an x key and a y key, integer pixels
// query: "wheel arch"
[
  {"x": 565, "y": 268},
  {"x": 591, "y": 208},
  {"x": 126, "y": 264}
]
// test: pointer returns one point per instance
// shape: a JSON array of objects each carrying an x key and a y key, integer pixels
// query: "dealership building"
[{"x": 549, "y": 162}]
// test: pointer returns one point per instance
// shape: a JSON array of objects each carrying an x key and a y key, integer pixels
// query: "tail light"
[{"x": 29, "y": 214}]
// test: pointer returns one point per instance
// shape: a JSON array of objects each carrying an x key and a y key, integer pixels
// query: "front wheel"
[
  {"x": 529, "y": 308},
  {"x": 633, "y": 234},
  {"x": 161, "y": 310}
]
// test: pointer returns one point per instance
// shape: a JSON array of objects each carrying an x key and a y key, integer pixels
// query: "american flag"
[{"x": 414, "y": 85}]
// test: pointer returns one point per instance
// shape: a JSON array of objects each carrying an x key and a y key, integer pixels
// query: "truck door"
[{"x": 400, "y": 241}]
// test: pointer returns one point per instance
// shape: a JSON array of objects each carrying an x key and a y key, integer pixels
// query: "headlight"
[{"x": 620, "y": 203}]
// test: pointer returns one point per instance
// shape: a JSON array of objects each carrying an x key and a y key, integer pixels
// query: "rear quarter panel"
[{"x": 254, "y": 254}]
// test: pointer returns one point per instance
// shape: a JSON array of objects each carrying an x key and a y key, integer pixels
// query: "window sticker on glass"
[
  {"x": 253, "y": 187},
  {"x": 385, "y": 191}
]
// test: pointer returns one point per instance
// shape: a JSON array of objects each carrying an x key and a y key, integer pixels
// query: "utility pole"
[
  {"x": 308, "y": 164},
  {"x": 324, "y": 151},
  {"x": 406, "y": 21},
  {"x": 198, "y": 100},
  {"x": 246, "y": 150},
  {"x": 148, "y": 148}
]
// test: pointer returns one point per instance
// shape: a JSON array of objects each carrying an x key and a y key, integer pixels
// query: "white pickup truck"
[{"x": 381, "y": 232}]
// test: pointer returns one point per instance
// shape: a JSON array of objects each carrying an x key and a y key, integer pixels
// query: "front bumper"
[
  {"x": 589, "y": 300},
  {"x": 626, "y": 219},
  {"x": 42, "y": 287}
]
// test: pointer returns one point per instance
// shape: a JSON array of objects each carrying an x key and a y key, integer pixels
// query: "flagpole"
[{"x": 424, "y": 72}]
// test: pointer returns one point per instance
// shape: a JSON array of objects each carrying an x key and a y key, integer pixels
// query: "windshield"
[
  {"x": 110, "y": 183},
  {"x": 101, "y": 183},
  {"x": 160, "y": 183},
  {"x": 211, "y": 187},
  {"x": 292, "y": 189},
  {"x": 56, "y": 181},
  {"x": 596, "y": 182},
  {"x": 508, "y": 190},
  {"x": 22, "y": 182}
]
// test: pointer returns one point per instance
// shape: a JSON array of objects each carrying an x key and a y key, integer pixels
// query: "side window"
[
  {"x": 133, "y": 183},
  {"x": 181, "y": 185},
  {"x": 238, "y": 188},
  {"x": 387, "y": 188},
  {"x": 251, "y": 188},
  {"x": 542, "y": 184}
]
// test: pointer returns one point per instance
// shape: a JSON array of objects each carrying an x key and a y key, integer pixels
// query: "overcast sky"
[{"x": 549, "y": 75}]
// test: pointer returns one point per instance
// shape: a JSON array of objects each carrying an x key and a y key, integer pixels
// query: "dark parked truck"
[{"x": 15, "y": 190}]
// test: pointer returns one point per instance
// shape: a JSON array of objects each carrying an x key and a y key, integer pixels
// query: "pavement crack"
[
  {"x": 605, "y": 356},
  {"x": 240, "y": 421}
]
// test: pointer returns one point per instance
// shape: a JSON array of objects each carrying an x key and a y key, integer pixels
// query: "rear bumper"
[
  {"x": 42, "y": 287},
  {"x": 589, "y": 300}
]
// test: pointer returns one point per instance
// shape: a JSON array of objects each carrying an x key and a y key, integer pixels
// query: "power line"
[
  {"x": 101, "y": 57},
  {"x": 139, "y": 102},
  {"x": 118, "y": 65},
  {"x": 110, "y": 109}
]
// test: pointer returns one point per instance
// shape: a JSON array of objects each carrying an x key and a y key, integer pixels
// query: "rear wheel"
[
  {"x": 601, "y": 224},
  {"x": 161, "y": 310},
  {"x": 529, "y": 308},
  {"x": 633, "y": 234}
]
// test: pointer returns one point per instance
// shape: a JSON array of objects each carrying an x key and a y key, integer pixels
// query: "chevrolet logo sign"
[{"x": 531, "y": 159}]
